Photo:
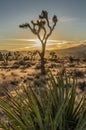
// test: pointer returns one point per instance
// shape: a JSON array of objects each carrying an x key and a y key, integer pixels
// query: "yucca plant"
[{"x": 52, "y": 107}]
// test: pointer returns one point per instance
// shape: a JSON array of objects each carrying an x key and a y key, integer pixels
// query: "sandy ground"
[{"x": 21, "y": 69}]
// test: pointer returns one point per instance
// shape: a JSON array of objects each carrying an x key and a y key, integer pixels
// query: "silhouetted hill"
[{"x": 76, "y": 51}]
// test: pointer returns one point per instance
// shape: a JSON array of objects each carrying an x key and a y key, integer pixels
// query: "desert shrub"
[
  {"x": 3, "y": 87},
  {"x": 38, "y": 66},
  {"x": 82, "y": 85},
  {"x": 15, "y": 65},
  {"x": 77, "y": 59},
  {"x": 37, "y": 83},
  {"x": 78, "y": 73},
  {"x": 17, "y": 55},
  {"x": 1, "y": 57},
  {"x": 14, "y": 83},
  {"x": 72, "y": 65},
  {"x": 71, "y": 59},
  {"x": 84, "y": 59},
  {"x": 27, "y": 65},
  {"x": 52, "y": 65},
  {"x": 52, "y": 107},
  {"x": 53, "y": 56},
  {"x": 21, "y": 62},
  {"x": 26, "y": 58}
]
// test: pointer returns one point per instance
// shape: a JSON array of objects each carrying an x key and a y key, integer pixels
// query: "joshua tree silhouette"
[{"x": 42, "y": 24}]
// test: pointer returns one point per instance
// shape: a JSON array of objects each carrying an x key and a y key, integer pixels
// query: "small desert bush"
[
  {"x": 21, "y": 62},
  {"x": 52, "y": 107},
  {"x": 25, "y": 58},
  {"x": 82, "y": 85},
  {"x": 78, "y": 73},
  {"x": 15, "y": 65},
  {"x": 71, "y": 59}
]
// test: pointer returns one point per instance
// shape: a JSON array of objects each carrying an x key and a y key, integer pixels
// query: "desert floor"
[
  {"x": 24, "y": 67},
  {"x": 19, "y": 68}
]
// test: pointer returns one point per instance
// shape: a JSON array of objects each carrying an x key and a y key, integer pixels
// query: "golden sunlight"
[
  {"x": 38, "y": 43},
  {"x": 50, "y": 43}
]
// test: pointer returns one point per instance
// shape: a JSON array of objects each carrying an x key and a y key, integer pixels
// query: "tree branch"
[
  {"x": 27, "y": 25},
  {"x": 51, "y": 30}
]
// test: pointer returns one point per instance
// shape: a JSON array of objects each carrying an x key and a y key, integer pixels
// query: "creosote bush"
[{"x": 52, "y": 107}]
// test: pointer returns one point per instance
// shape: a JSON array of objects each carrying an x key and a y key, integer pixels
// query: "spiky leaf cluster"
[{"x": 41, "y": 24}]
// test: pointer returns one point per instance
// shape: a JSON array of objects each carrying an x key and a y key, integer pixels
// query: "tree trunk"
[{"x": 43, "y": 59}]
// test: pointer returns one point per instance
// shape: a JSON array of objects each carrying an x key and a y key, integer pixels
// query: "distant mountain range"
[{"x": 79, "y": 50}]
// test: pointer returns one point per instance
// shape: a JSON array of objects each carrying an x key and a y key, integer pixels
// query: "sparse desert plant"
[
  {"x": 5, "y": 58},
  {"x": 14, "y": 82},
  {"x": 21, "y": 62},
  {"x": 52, "y": 108},
  {"x": 25, "y": 58},
  {"x": 3, "y": 87},
  {"x": 37, "y": 66},
  {"x": 82, "y": 85},
  {"x": 84, "y": 59},
  {"x": 16, "y": 55},
  {"x": 15, "y": 65},
  {"x": 72, "y": 65},
  {"x": 78, "y": 73},
  {"x": 77, "y": 59},
  {"x": 53, "y": 56},
  {"x": 1, "y": 57},
  {"x": 71, "y": 59},
  {"x": 33, "y": 56},
  {"x": 52, "y": 65},
  {"x": 29, "y": 53},
  {"x": 74, "y": 59},
  {"x": 38, "y": 26}
]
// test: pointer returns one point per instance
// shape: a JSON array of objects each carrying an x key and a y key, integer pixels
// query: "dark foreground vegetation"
[{"x": 52, "y": 107}]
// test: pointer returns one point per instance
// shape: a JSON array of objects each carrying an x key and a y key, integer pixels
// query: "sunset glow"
[
  {"x": 70, "y": 26},
  {"x": 22, "y": 44},
  {"x": 38, "y": 43}
]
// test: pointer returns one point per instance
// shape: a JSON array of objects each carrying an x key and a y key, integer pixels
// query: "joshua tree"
[
  {"x": 42, "y": 24},
  {"x": 5, "y": 58}
]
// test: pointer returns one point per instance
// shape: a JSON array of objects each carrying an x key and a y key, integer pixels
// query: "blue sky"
[{"x": 71, "y": 15}]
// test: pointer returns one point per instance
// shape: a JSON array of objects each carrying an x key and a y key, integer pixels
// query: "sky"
[{"x": 71, "y": 24}]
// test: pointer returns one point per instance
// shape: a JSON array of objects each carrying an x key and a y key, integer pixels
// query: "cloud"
[
  {"x": 65, "y": 19},
  {"x": 17, "y": 39}
]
